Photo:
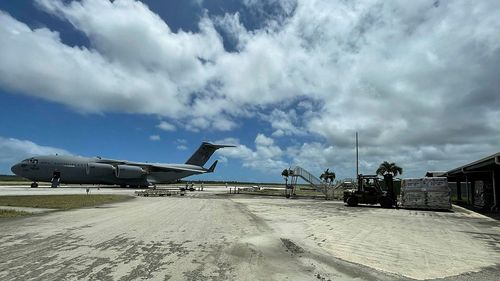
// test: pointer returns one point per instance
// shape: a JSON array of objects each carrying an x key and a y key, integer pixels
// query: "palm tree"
[
  {"x": 323, "y": 175},
  {"x": 388, "y": 171},
  {"x": 387, "y": 168},
  {"x": 327, "y": 176},
  {"x": 285, "y": 174}
]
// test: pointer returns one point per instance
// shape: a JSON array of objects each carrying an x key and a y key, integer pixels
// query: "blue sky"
[{"x": 289, "y": 81}]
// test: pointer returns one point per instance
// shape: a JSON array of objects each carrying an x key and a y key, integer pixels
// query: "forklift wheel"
[
  {"x": 352, "y": 201},
  {"x": 386, "y": 202}
]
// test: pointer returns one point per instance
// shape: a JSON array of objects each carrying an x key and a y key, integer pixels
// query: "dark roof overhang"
[{"x": 479, "y": 166}]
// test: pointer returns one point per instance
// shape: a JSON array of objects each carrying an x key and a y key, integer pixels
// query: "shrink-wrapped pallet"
[
  {"x": 426, "y": 193},
  {"x": 412, "y": 183},
  {"x": 436, "y": 184}
]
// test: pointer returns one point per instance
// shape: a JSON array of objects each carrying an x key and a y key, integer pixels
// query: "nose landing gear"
[{"x": 34, "y": 185}]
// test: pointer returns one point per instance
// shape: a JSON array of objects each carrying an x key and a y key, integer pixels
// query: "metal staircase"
[{"x": 310, "y": 178}]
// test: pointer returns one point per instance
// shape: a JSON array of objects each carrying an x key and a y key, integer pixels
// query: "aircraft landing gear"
[
  {"x": 55, "y": 183},
  {"x": 34, "y": 185},
  {"x": 56, "y": 179}
]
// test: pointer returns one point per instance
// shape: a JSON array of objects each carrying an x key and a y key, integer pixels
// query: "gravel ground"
[{"x": 205, "y": 236}]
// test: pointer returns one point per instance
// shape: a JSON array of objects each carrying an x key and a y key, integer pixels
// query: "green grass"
[
  {"x": 62, "y": 202},
  {"x": 25, "y": 183},
  {"x": 8, "y": 178},
  {"x": 12, "y": 213}
]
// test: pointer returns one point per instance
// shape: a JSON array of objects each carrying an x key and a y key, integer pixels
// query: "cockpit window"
[{"x": 31, "y": 160}]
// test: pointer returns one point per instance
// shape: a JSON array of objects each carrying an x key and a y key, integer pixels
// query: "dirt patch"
[{"x": 292, "y": 247}]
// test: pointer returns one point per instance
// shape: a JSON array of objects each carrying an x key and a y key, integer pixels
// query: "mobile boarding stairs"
[{"x": 326, "y": 188}]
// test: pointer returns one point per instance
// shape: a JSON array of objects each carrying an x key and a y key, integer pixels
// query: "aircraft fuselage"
[{"x": 96, "y": 170}]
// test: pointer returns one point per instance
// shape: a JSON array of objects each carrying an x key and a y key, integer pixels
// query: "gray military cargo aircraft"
[{"x": 83, "y": 170}]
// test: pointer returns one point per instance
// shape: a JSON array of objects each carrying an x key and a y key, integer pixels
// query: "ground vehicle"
[{"x": 368, "y": 191}]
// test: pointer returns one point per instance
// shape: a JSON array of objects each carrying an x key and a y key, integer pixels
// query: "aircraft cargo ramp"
[{"x": 321, "y": 186}]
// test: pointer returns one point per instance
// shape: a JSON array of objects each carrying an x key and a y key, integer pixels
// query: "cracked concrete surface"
[{"x": 207, "y": 237}]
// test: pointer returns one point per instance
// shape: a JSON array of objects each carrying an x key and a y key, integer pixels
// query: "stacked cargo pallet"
[{"x": 425, "y": 193}]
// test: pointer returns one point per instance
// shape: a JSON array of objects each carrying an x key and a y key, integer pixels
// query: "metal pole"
[
  {"x": 357, "y": 159},
  {"x": 495, "y": 203},
  {"x": 467, "y": 187}
]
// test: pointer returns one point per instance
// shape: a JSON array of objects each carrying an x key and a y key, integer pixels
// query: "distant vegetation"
[
  {"x": 228, "y": 182},
  {"x": 11, "y": 178},
  {"x": 61, "y": 202}
]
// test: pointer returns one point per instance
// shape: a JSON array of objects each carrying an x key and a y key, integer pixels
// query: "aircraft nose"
[{"x": 16, "y": 169}]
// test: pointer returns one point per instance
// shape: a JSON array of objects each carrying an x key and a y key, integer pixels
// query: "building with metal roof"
[{"x": 481, "y": 180}]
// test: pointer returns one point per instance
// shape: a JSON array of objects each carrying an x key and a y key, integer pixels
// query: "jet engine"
[
  {"x": 129, "y": 172},
  {"x": 99, "y": 169}
]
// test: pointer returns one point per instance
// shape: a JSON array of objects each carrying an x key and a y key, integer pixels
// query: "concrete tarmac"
[{"x": 205, "y": 236}]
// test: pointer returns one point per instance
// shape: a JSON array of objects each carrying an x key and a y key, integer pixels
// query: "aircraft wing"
[
  {"x": 168, "y": 168},
  {"x": 159, "y": 167},
  {"x": 112, "y": 161},
  {"x": 154, "y": 167}
]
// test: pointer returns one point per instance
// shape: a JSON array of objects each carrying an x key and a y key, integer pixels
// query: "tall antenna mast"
[{"x": 357, "y": 159}]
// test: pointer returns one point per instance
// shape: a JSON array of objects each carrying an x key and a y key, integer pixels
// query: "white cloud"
[
  {"x": 270, "y": 158},
  {"x": 198, "y": 2},
  {"x": 416, "y": 79},
  {"x": 165, "y": 126},
  {"x": 233, "y": 28},
  {"x": 181, "y": 144},
  {"x": 154, "y": 138},
  {"x": 14, "y": 150},
  {"x": 222, "y": 159},
  {"x": 266, "y": 157},
  {"x": 112, "y": 75},
  {"x": 286, "y": 123},
  {"x": 262, "y": 140}
]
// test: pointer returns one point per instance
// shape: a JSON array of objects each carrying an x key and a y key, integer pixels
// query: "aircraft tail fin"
[
  {"x": 203, "y": 153},
  {"x": 212, "y": 168}
]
